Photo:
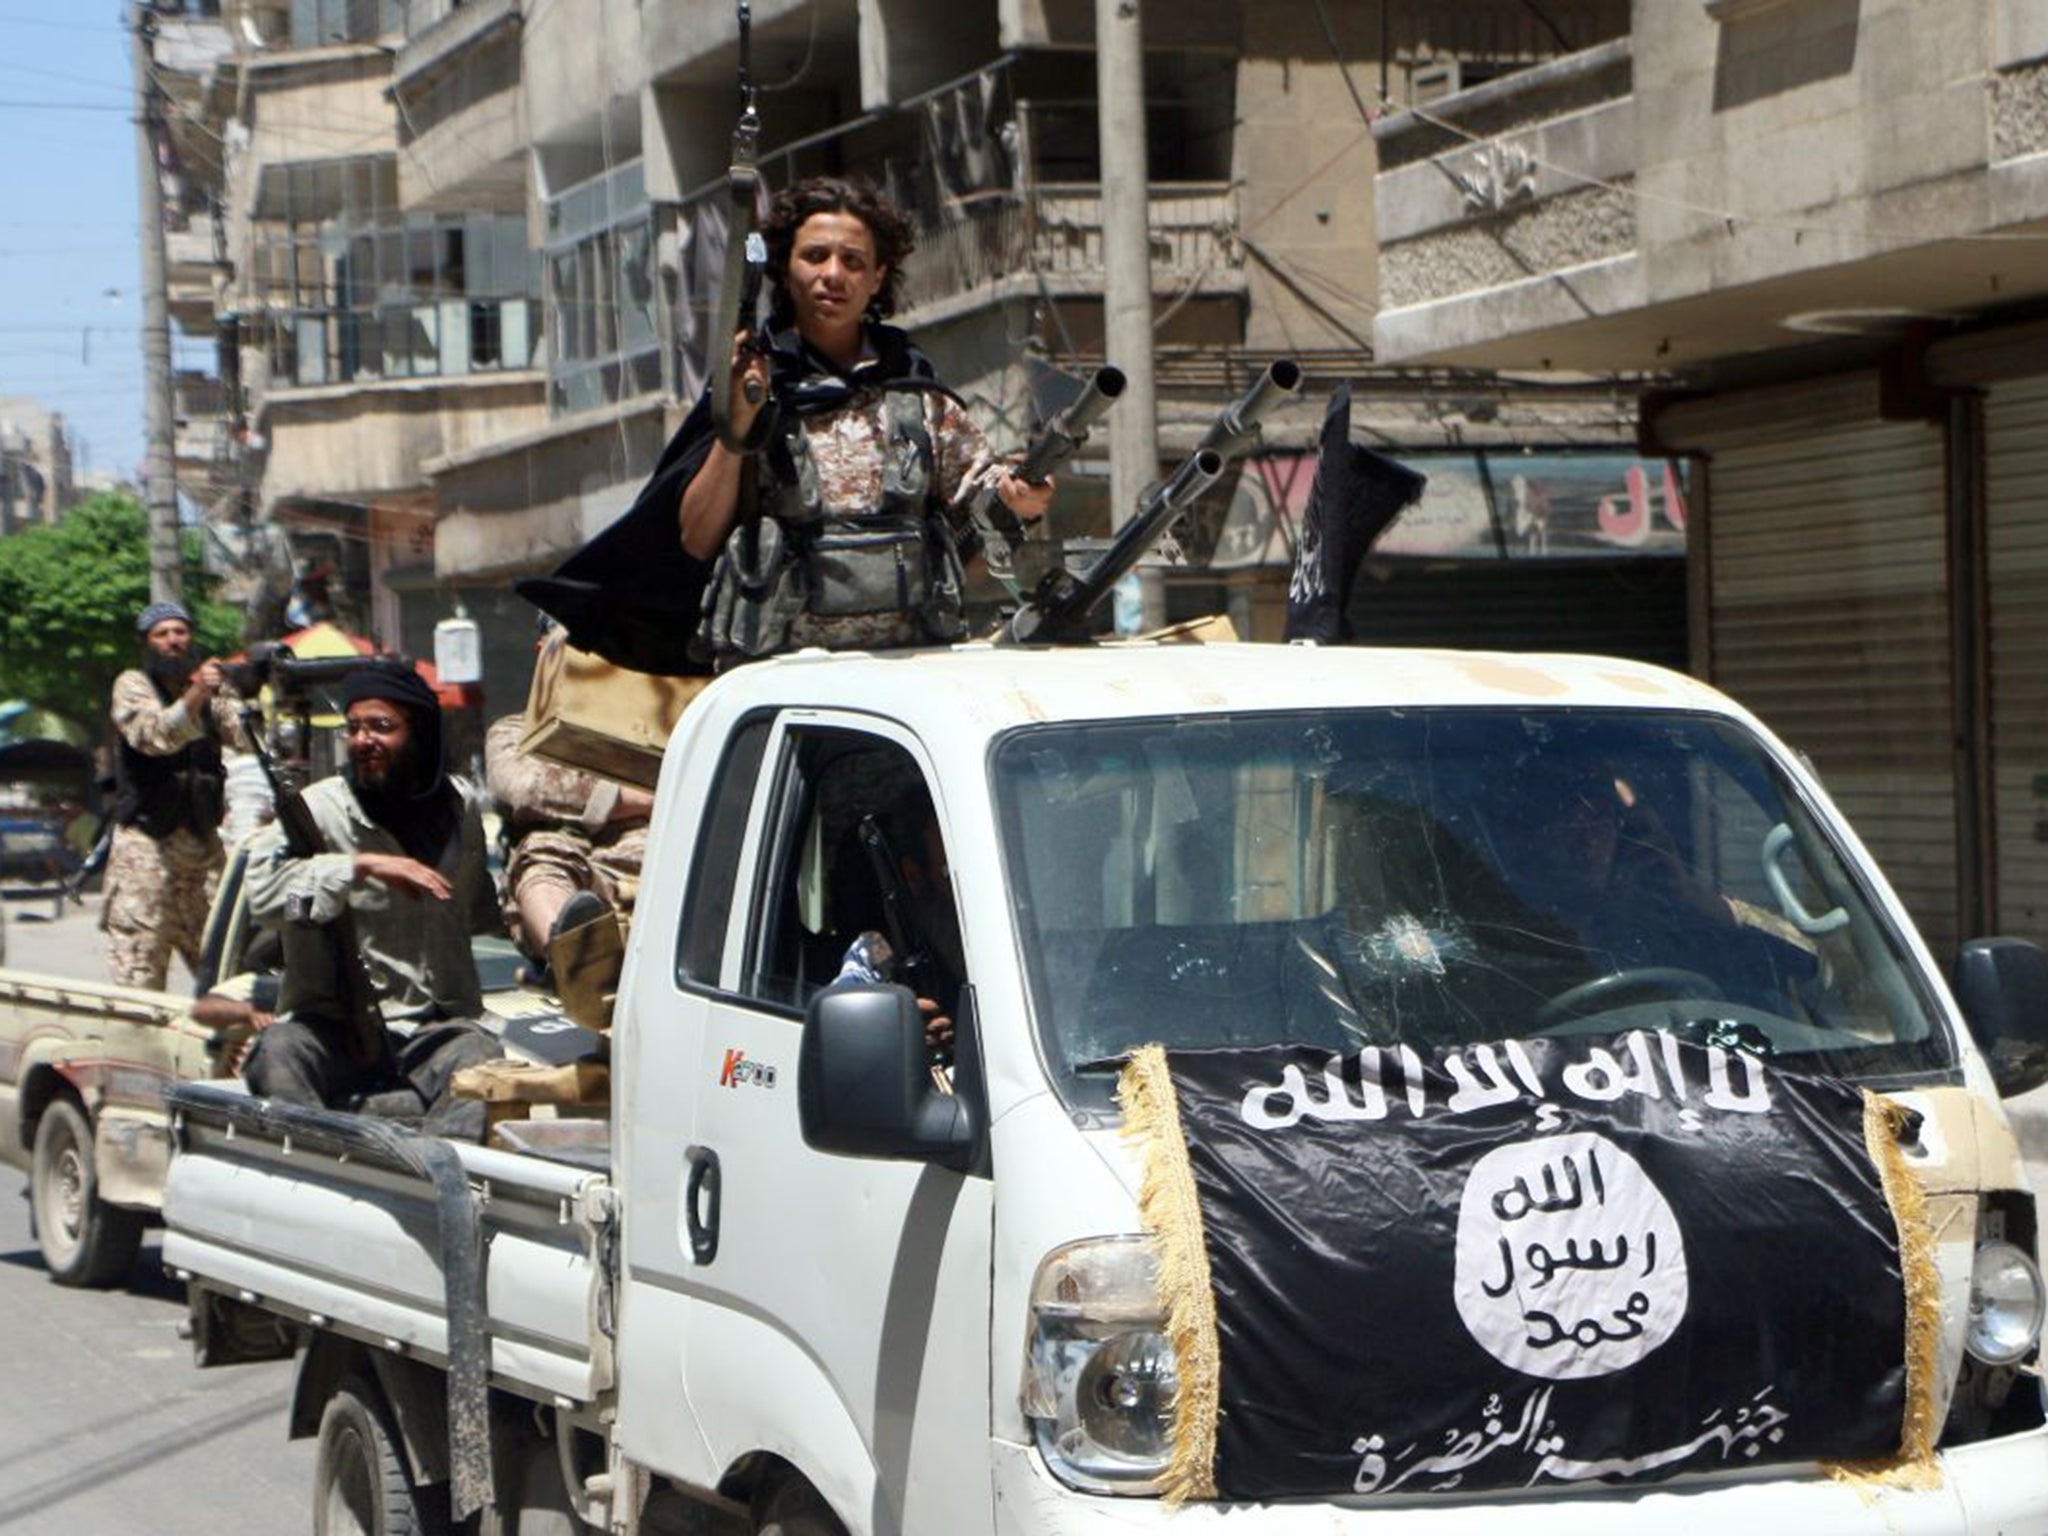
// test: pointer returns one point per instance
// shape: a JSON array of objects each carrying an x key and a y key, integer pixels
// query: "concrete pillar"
[{"x": 1127, "y": 265}]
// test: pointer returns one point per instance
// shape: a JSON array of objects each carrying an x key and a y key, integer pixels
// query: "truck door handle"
[{"x": 700, "y": 1204}]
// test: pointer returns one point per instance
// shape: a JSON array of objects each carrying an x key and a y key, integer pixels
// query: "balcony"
[
  {"x": 1728, "y": 180},
  {"x": 193, "y": 265},
  {"x": 1509, "y": 207},
  {"x": 457, "y": 86},
  {"x": 1003, "y": 187},
  {"x": 190, "y": 44},
  {"x": 307, "y": 24}
]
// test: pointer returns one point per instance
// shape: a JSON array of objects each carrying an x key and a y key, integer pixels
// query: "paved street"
[{"x": 106, "y": 1428}]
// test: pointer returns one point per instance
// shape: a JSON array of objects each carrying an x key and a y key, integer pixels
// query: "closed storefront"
[
  {"x": 1826, "y": 572},
  {"x": 2016, "y": 592}
]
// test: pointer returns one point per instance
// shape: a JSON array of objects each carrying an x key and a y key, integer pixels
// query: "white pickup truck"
[{"x": 807, "y": 1286}]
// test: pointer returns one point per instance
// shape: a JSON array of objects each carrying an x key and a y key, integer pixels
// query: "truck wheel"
[
  {"x": 84, "y": 1240},
  {"x": 360, "y": 1486},
  {"x": 793, "y": 1508}
]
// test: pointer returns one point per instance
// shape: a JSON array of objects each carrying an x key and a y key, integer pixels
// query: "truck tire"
[
  {"x": 84, "y": 1240},
  {"x": 793, "y": 1508},
  {"x": 360, "y": 1483}
]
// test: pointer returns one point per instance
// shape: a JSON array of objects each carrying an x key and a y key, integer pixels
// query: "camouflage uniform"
[
  {"x": 158, "y": 891},
  {"x": 849, "y": 447},
  {"x": 561, "y": 825}
]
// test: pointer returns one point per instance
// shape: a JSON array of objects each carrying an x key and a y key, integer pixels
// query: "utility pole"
[
  {"x": 159, "y": 465},
  {"x": 1127, "y": 269}
]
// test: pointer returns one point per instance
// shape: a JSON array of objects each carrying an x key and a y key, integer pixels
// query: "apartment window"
[
  {"x": 601, "y": 293},
  {"x": 315, "y": 23},
  {"x": 356, "y": 289}
]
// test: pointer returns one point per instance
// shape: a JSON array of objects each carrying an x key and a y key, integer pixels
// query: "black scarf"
[
  {"x": 632, "y": 594},
  {"x": 418, "y": 803}
]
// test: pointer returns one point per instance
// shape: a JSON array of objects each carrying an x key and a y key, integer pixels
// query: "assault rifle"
[
  {"x": 915, "y": 964},
  {"x": 746, "y": 254},
  {"x": 1063, "y": 600},
  {"x": 1057, "y": 441},
  {"x": 368, "y": 1044}
]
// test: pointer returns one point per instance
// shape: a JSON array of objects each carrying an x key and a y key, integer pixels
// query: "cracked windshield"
[{"x": 1439, "y": 878}]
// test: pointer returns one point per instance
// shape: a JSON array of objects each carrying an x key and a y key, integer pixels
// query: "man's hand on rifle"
[
  {"x": 204, "y": 684},
  {"x": 408, "y": 876},
  {"x": 1030, "y": 502},
  {"x": 749, "y": 384}
]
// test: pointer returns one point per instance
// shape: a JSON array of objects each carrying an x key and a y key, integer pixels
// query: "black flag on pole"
[
  {"x": 1533, "y": 1263},
  {"x": 1356, "y": 494}
]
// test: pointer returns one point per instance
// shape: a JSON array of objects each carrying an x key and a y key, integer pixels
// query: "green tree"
[{"x": 68, "y": 599}]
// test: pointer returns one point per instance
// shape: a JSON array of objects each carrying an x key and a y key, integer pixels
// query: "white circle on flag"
[{"x": 1570, "y": 1263}]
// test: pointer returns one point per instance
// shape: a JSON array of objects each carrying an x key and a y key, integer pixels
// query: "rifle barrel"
[
  {"x": 1070, "y": 428},
  {"x": 1162, "y": 503},
  {"x": 1237, "y": 428}
]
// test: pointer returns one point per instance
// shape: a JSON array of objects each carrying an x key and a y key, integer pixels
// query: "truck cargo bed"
[{"x": 328, "y": 1217}]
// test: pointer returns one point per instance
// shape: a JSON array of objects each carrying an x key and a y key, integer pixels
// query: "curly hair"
[{"x": 895, "y": 236}]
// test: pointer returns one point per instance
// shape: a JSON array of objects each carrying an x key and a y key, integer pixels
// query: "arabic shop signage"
[
  {"x": 1480, "y": 504},
  {"x": 1536, "y": 1262}
]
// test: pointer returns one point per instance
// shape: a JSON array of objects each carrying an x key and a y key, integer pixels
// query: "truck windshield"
[{"x": 1437, "y": 878}]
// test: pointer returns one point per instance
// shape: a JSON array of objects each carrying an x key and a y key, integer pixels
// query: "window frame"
[
  {"x": 737, "y": 869},
  {"x": 773, "y": 830}
]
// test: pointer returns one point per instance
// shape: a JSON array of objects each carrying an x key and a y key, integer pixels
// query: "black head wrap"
[{"x": 418, "y": 804}]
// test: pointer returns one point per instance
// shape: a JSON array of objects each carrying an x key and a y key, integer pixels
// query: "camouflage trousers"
[
  {"x": 570, "y": 861},
  {"x": 158, "y": 894}
]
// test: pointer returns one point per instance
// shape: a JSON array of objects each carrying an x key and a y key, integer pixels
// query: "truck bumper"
[{"x": 1999, "y": 1487}]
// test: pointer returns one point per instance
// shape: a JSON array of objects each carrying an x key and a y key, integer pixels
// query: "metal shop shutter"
[
  {"x": 1625, "y": 607},
  {"x": 2016, "y": 536},
  {"x": 1829, "y": 605}
]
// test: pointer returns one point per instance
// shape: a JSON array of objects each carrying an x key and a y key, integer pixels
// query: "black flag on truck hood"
[
  {"x": 1544, "y": 1262},
  {"x": 1356, "y": 495}
]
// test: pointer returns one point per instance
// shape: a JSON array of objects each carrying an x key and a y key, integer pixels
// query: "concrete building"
[
  {"x": 1826, "y": 221},
  {"x": 36, "y": 484},
  {"x": 463, "y": 257}
]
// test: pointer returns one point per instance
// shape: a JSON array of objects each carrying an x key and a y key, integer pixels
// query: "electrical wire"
[{"x": 65, "y": 106}]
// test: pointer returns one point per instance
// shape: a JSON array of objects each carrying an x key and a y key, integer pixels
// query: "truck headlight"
[
  {"x": 1100, "y": 1374},
  {"x": 2006, "y": 1305}
]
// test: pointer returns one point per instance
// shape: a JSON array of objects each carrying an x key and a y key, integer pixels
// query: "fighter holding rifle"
[{"x": 376, "y": 880}]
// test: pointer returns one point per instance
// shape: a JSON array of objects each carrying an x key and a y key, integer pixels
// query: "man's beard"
[
  {"x": 170, "y": 673},
  {"x": 396, "y": 776}
]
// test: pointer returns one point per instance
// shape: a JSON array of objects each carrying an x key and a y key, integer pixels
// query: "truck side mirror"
[
  {"x": 2002, "y": 987},
  {"x": 864, "y": 1085}
]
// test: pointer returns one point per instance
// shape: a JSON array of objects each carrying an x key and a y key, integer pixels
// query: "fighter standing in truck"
[{"x": 844, "y": 525}]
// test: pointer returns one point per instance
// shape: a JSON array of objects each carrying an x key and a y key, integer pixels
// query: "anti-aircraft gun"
[{"x": 1059, "y": 607}]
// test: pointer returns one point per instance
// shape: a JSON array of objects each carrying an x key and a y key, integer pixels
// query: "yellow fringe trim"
[
  {"x": 1172, "y": 1216},
  {"x": 1914, "y": 1469}
]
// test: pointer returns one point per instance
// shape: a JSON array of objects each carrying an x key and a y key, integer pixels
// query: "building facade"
[
  {"x": 36, "y": 482},
  {"x": 461, "y": 256},
  {"x": 1826, "y": 224}
]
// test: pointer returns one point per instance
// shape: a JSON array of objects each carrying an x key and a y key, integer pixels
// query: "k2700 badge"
[{"x": 740, "y": 1072}]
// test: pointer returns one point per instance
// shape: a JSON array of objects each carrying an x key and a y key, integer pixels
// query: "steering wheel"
[{"x": 1603, "y": 992}]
